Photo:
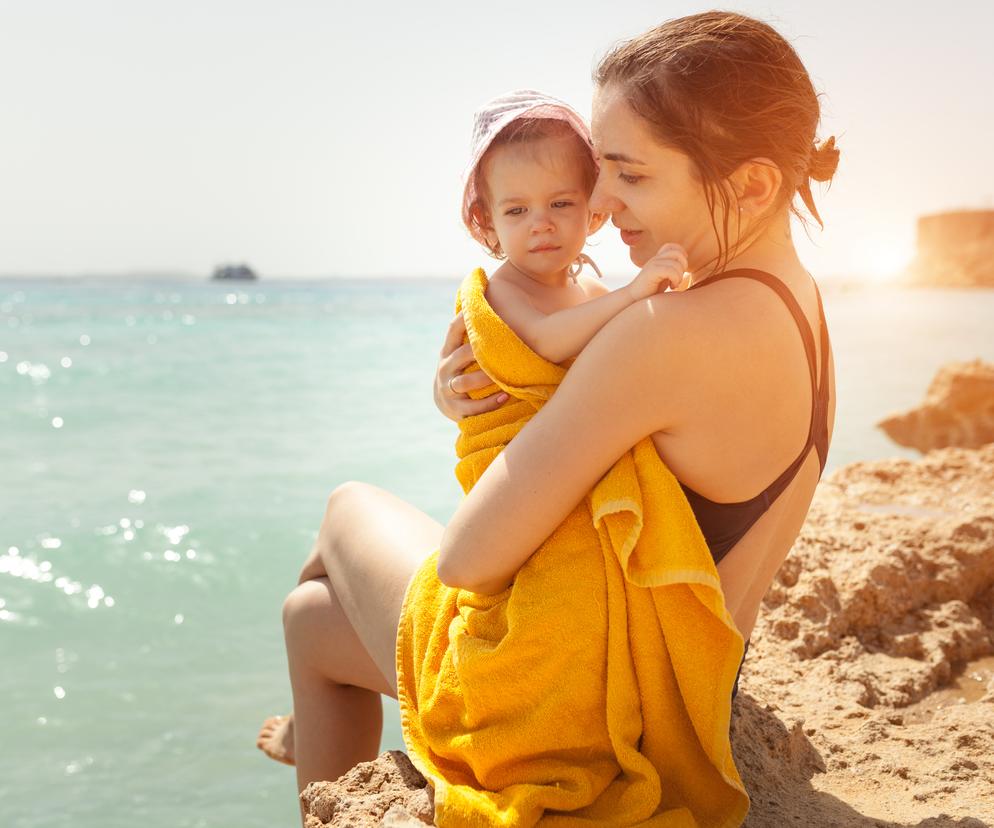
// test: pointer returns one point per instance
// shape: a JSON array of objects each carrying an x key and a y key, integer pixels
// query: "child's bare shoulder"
[
  {"x": 504, "y": 286},
  {"x": 505, "y": 296},
  {"x": 592, "y": 286}
]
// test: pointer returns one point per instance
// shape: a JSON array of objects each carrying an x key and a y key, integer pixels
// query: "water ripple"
[
  {"x": 174, "y": 534},
  {"x": 37, "y": 372},
  {"x": 28, "y": 569}
]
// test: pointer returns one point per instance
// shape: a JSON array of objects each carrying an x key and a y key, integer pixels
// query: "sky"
[{"x": 316, "y": 139}]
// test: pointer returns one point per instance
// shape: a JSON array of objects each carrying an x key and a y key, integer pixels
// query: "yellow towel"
[{"x": 596, "y": 689}]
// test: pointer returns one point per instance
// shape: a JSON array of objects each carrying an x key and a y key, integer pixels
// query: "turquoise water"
[{"x": 167, "y": 450}]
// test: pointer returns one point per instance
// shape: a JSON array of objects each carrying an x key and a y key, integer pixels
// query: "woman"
[{"x": 705, "y": 128}]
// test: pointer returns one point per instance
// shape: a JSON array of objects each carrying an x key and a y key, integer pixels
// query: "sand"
[{"x": 867, "y": 697}]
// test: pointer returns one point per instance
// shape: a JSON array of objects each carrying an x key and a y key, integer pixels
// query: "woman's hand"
[{"x": 451, "y": 399}]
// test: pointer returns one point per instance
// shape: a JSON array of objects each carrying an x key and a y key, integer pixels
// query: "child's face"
[{"x": 538, "y": 204}]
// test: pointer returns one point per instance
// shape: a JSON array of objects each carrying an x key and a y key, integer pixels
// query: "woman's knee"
[
  {"x": 306, "y": 608},
  {"x": 348, "y": 507},
  {"x": 321, "y": 642},
  {"x": 346, "y": 497}
]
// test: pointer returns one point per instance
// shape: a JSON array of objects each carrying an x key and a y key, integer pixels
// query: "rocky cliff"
[
  {"x": 954, "y": 250},
  {"x": 958, "y": 410}
]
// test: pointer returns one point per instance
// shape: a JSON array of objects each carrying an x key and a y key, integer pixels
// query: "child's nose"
[{"x": 542, "y": 221}]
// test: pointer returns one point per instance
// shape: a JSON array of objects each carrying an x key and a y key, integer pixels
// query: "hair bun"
[{"x": 824, "y": 160}]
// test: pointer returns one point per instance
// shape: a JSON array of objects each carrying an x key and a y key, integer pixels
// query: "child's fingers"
[
  {"x": 670, "y": 256},
  {"x": 671, "y": 249},
  {"x": 668, "y": 269},
  {"x": 672, "y": 270}
]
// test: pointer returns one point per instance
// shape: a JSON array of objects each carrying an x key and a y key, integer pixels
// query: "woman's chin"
[{"x": 638, "y": 258}]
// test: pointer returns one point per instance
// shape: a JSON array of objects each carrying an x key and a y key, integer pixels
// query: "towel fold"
[{"x": 596, "y": 689}]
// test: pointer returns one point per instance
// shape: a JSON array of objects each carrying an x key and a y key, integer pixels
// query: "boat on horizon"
[{"x": 239, "y": 271}]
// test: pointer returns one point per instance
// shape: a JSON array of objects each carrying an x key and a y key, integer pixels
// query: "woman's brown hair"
[{"x": 724, "y": 88}]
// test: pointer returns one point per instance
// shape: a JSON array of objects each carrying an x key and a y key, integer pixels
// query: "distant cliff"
[
  {"x": 954, "y": 250},
  {"x": 958, "y": 410}
]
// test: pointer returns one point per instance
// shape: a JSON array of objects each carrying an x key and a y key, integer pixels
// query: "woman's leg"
[{"x": 341, "y": 625}]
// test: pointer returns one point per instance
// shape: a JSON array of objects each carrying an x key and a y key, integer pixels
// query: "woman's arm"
[{"x": 619, "y": 390}]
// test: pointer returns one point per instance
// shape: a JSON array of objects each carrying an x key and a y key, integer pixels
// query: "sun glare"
[{"x": 886, "y": 263}]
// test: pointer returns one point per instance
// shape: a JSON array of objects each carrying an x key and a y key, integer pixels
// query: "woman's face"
[{"x": 650, "y": 190}]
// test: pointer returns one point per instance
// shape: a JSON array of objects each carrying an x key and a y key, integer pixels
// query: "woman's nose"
[{"x": 602, "y": 200}]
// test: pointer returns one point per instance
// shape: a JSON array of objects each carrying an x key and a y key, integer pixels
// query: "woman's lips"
[{"x": 629, "y": 237}]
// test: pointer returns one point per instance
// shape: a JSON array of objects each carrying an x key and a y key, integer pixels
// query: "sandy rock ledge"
[{"x": 867, "y": 697}]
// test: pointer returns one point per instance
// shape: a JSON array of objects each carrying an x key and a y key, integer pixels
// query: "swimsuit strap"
[{"x": 818, "y": 424}]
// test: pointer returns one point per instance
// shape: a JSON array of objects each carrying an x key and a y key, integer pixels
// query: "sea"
[{"x": 166, "y": 451}]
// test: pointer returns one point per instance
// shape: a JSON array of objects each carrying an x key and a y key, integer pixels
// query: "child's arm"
[{"x": 563, "y": 334}]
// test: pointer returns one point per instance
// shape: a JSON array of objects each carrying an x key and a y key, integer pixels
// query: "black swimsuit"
[{"x": 724, "y": 524}]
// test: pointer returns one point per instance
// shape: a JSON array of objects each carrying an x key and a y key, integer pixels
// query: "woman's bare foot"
[{"x": 276, "y": 738}]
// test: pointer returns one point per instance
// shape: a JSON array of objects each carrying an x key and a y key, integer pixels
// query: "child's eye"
[
  {"x": 562, "y": 203},
  {"x": 630, "y": 179},
  {"x": 515, "y": 211}
]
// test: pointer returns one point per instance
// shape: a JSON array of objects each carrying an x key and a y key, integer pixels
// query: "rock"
[
  {"x": 880, "y": 620},
  {"x": 398, "y": 817},
  {"x": 388, "y": 791},
  {"x": 954, "y": 250},
  {"x": 867, "y": 695},
  {"x": 958, "y": 410}
]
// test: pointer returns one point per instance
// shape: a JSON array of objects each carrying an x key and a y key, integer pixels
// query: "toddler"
[{"x": 526, "y": 199}]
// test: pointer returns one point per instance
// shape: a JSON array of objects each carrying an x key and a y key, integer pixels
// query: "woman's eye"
[{"x": 630, "y": 179}]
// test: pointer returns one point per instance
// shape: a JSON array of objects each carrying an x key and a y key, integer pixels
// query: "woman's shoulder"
[
  {"x": 728, "y": 334},
  {"x": 689, "y": 320},
  {"x": 743, "y": 303}
]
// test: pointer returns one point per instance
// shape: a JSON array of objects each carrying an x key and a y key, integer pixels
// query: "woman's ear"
[
  {"x": 756, "y": 183},
  {"x": 597, "y": 221}
]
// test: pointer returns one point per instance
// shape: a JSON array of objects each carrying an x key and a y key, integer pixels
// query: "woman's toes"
[{"x": 276, "y": 739}]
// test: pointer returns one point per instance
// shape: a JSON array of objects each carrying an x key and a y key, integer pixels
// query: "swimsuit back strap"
[{"x": 819, "y": 396}]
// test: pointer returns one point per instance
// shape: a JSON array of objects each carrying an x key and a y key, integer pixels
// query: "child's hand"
[{"x": 663, "y": 270}]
